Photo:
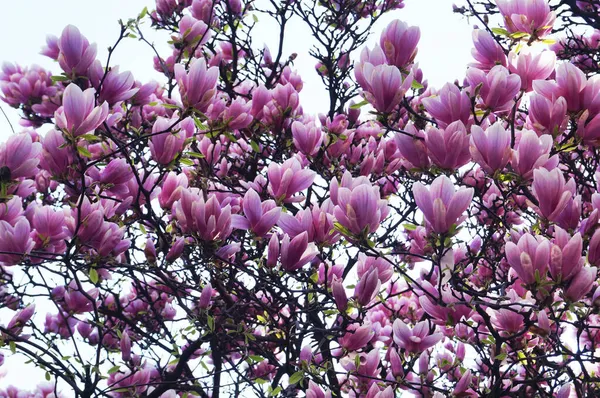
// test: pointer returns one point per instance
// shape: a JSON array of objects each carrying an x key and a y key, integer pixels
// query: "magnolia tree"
[{"x": 202, "y": 235}]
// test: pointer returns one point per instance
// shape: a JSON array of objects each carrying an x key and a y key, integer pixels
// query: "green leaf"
[
  {"x": 416, "y": 85},
  {"x": 143, "y": 13},
  {"x": 13, "y": 346},
  {"x": 201, "y": 127},
  {"x": 255, "y": 146},
  {"x": 297, "y": 377},
  {"x": 278, "y": 389},
  {"x": 254, "y": 18},
  {"x": 195, "y": 155},
  {"x": 114, "y": 369},
  {"x": 90, "y": 137},
  {"x": 314, "y": 277},
  {"x": 48, "y": 377},
  {"x": 170, "y": 106},
  {"x": 59, "y": 78},
  {"x": 501, "y": 356},
  {"x": 84, "y": 152},
  {"x": 256, "y": 358},
  {"x": 500, "y": 31},
  {"x": 410, "y": 227},
  {"x": 211, "y": 322},
  {"x": 230, "y": 136},
  {"x": 93, "y": 275},
  {"x": 359, "y": 105},
  {"x": 186, "y": 162},
  {"x": 340, "y": 228}
]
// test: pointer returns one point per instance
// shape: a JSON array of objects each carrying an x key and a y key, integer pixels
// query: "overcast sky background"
[{"x": 444, "y": 51}]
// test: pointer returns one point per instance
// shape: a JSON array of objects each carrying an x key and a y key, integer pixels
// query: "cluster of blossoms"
[{"x": 204, "y": 235}]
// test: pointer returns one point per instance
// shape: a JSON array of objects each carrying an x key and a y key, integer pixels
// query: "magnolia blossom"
[
  {"x": 441, "y": 204},
  {"x": 79, "y": 115}
]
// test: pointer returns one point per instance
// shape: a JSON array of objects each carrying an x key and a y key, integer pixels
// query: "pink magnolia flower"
[
  {"x": 73, "y": 300},
  {"x": 547, "y": 116},
  {"x": 498, "y": 87},
  {"x": 200, "y": 9},
  {"x": 307, "y": 137},
  {"x": 412, "y": 147},
  {"x": 116, "y": 175},
  {"x": 79, "y": 115},
  {"x": 20, "y": 155},
  {"x": 116, "y": 87},
  {"x": 357, "y": 337},
  {"x": 259, "y": 217},
  {"x": 530, "y": 66},
  {"x": 441, "y": 204},
  {"x": 288, "y": 179},
  {"x": 205, "y": 296},
  {"x": 314, "y": 391},
  {"x": 284, "y": 102},
  {"x": 317, "y": 221},
  {"x": 198, "y": 86},
  {"x": 18, "y": 321},
  {"x": 530, "y": 256},
  {"x": 528, "y": 16},
  {"x": 399, "y": 43},
  {"x": 168, "y": 139},
  {"x": 491, "y": 148},
  {"x": 360, "y": 209},
  {"x": 207, "y": 218},
  {"x": 571, "y": 84},
  {"x": 376, "y": 56},
  {"x": 594, "y": 248},
  {"x": 16, "y": 241},
  {"x": 297, "y": 252},
  {"x": 417, "y": 340},
  {"x": 75, "y": 52},
  {"x": 237, "y": 115},
  {"x": 339, "y": 294},
  {"x": 50, "y": 49},
  {"x": 532, "y": 153},
  {"x": 551, "y": 191},
  {"x": 383, "y": 85},
  {"x": 49, "y": 229},
  {"x": 366, "y": 263},
  {"x": 581, "y": 284},
  {"x": 487, "y": 51},
  {"x": 367, "y": 287},
  {"x": 125, "y": 346},
  {"x": 449, "y": 105},
  {"x": 176, "y": 249},
  {"x": 12, "y": 210},
  {"x": 507, "y": 320},
  {"x": 565, "y": 255},
  {"x": 172, "y": 186},
  {"x": 448, "y": 148},
  {"x": 56, "y": 156},
  {"x": 462, "y": 387},
  {"x": 25, "y": 85},
  {"x": 589, "y": 130},
  {"x": 376, "y": 392},
  {"x": 193, "y": 31}
]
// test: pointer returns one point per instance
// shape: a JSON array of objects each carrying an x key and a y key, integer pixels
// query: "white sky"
[{"x": 444, "y": 51}]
